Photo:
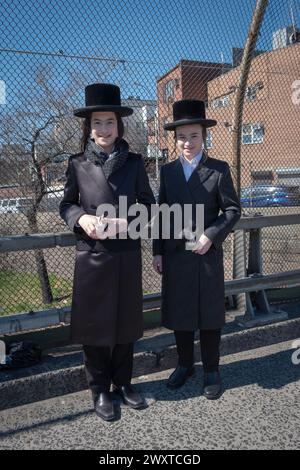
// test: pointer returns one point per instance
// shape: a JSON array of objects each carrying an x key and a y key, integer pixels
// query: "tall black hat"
[
  {"x": 189, "y": 112},
  {"x": 102, "y": 97}
]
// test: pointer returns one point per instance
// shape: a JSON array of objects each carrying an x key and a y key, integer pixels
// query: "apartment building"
[{"x": 188, "y": 79}]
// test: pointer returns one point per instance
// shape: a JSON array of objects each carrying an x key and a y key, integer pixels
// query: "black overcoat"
[
  {"x": 107, "y": 291},
  {"x": 192, "y": 284}
]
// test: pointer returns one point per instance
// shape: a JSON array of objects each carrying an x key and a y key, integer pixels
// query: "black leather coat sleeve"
[
  {"x": 230, "y": 210},
  {"x": 69, "y": 208}
]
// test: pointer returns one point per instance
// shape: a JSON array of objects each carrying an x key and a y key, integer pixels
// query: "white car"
[{"x": 14, "y": 206}]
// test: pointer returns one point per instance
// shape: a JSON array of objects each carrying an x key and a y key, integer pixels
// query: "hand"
[
  {"x": 157, "y": 264},
  {"x": 109, "y": 227},
  {"x": 88, "y": 223},
  {"x": 203, "y": 245}
]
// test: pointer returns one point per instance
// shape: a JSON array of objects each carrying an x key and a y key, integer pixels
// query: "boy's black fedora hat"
[
  {"x": 189, "y": 112},
  {"x": 102, "y": 97}
]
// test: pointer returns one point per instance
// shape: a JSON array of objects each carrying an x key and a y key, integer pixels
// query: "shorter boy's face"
[{"x": 189, "y": 140}]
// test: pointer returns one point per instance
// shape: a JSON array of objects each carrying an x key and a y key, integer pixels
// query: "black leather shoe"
[
  {"x": 212, "y": 387},
  {"x": 104, "y": 406},
  {"x": 179, "y": 376},
  {"x": 130, "y": 396}
]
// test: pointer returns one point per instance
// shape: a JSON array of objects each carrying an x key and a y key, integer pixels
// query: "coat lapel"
[
  {"x": 190, "y": 191},
  {"x": 198, "y": 177},
  {"x": 95, "y": 173},
  {"x": 107, "y": 183},
  {"x": 180, "y": 183},
  {"x": 116, "y": 178}
]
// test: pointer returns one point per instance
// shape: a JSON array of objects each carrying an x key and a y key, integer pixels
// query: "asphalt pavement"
[{"x": 259, "y": 409}]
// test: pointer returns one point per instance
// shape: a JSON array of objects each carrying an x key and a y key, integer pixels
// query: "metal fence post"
[
  {"x": 258, "y": 310},
  {"x": 239, "y": 265}
]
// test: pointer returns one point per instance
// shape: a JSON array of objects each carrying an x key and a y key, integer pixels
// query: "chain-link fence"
[{"x": 157, "y": 51}]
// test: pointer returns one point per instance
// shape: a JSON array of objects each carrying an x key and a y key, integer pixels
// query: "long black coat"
[
  {"x": 192, "y": 284},
  {"x": 107, "y": 290}
]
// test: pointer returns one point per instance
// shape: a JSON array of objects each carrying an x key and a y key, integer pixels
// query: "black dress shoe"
[
  {"x": 104, "y": 406},
  {"x": 179, "y": 376},
  {"x": 130, "y": 396},
  {"x": 212, "y": 387}
]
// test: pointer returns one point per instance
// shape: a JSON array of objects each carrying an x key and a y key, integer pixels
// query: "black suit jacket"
[
  {"x": 210, "y": 184},
  {"x": 86, "y": 188}
]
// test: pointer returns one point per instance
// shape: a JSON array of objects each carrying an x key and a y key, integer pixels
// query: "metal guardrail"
[
  {"x": 51, "y": 240},
  {"x": 256, "y": 283}
]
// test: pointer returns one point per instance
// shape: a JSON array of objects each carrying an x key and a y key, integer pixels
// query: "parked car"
[
  {"x": 14, "y": 205},
  {"x": 270, "y": 195}
]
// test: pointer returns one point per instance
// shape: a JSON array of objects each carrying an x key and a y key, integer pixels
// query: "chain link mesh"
[{"x": 157, "y": 51}]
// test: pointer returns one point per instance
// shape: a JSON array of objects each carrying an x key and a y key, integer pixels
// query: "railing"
[{"x": 255, "y": 282}]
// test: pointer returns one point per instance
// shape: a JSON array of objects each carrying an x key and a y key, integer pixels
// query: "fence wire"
[{"x": 157, "y": 51}]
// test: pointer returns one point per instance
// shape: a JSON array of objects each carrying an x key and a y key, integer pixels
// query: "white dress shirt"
[{"x": 189, "y": 166}]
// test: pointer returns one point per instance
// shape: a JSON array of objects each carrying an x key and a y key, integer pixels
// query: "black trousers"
[
  {"x": 104, "y": 366},
  {"x": 210, "y": 348}
]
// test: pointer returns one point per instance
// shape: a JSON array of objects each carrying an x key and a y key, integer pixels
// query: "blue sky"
[{"x": 148, "y": 36}]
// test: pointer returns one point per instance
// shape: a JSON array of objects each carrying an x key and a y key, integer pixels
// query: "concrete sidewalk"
[
  {"x": 259, "y": 409},
  {"x": 61, "y": 370}
]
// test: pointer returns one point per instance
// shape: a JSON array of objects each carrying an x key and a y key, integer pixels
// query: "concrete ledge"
[{"x": 153, "y": 354}]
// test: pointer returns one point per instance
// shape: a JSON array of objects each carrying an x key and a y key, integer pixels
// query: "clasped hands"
[{"x": 100, "y": 228}]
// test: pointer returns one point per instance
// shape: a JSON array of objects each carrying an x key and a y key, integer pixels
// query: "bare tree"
[{"x": 32, "y": 139}]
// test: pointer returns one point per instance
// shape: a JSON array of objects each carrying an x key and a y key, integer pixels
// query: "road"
[{"x": 258, "y": 410}]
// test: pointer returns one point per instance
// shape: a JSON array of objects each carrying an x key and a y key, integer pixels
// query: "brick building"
[
  {"x": 270, "y": 142},
  {"x": 270, "y": 138},
  {"x": 188, "y": 79}
]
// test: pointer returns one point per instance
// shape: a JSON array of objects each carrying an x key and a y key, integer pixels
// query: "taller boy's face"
[{"x": 104, "y": 129}]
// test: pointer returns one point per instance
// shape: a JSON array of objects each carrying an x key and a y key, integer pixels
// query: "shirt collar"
[{"x": 194, "y": 162}]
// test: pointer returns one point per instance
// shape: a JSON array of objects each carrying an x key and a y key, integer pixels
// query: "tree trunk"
[
  {"x": 256, "y": 22},
  {"x": 40, "y": 261},
  {"x": 239, "y": 251}
]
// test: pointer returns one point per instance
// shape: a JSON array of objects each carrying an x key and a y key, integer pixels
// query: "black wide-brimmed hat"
[
  {"x": 102, "y": 97},
  {"x": 189, "y": 112}
]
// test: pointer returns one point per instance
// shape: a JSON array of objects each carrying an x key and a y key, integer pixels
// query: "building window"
[
  {"x": 251, "y": 91},
  {"x": 169, "y": 90},
  {"x": 253, "y": 134},
  {"x": 221, "y": 102},
  {"x": 209, "y": 139},
  {"x": 262, "y": 177}
]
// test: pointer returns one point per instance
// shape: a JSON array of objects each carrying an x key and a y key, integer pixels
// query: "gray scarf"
[{"x": 109, "y": 163}]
